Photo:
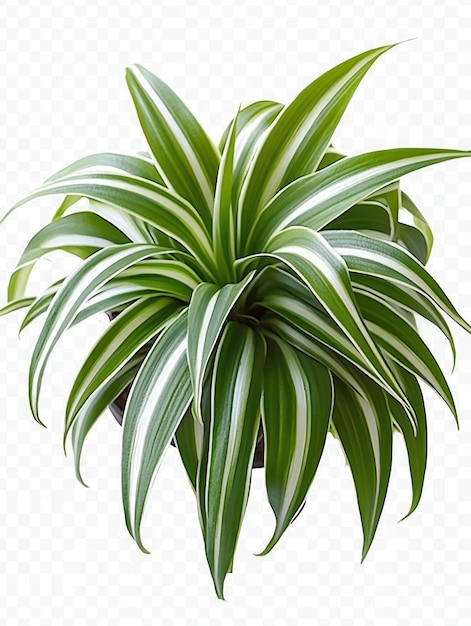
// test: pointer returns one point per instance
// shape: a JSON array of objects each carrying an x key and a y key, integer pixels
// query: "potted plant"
[{"x": 262, "y": 294}]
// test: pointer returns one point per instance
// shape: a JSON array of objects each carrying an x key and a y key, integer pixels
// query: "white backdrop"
[{"x": 67, "y": 557}]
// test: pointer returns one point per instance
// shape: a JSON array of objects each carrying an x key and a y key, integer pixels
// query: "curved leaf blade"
[
  {"x": 76, "y": 288},
  {"x": 185, "y": 156},
  {"x": 296, "y": 410},
  {"x": 130, "y": 164},
  {"x": 121, "y": 340},
  {"x": 388, "y": 260},
  {"x": 81, "y": 234},
  {"x": 316, "y": 199},
  {"x": 96, "y": 405},
  {"x": 407, "y": 298},
  {"x": 152, "y": 203},
  {"x": 404, "y": 344},
  {"x": 296, "y": 142},
  {"x": 230, "y": 432},
  {"x": 159, "y": 398},
  {"x": 364, "y": 430},
  {"x": 416, "y": 444},
  {"x": 322, "y": 269},
  {"x": 209, "y": 309},
  {"x": 252, "y": 125}
]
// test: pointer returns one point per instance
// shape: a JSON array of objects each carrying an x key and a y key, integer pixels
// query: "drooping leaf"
[
  {"x": 404, "y": 344},
  {"x": 364, "y": 429},
  {"x": 209, "y": 309},
  {"x": 230, "y": 432},
  {"x": 189, "y": 440},
  {"x": 159, "y": 398},
  {"x": 80, "y": 234},
  {"x": 407, "y": 298},
  {"x": 121, "y": 340},
  {"x": 76, "y": 288},
  {"x": 390, "y": 261},
  {"x": 149, "y": 201},
  {"x": 307, "y": 253},
  {"x": 297, "y": 406},
  {"x": 96, "y": 405},
  {"x": 134, "y": 165},
  {"x": 416, "y": 444}
]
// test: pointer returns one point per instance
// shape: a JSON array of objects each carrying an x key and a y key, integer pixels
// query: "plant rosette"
[{"x": 263, "y": 293}]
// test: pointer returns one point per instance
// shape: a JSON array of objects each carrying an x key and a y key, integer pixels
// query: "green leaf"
[
  {"x": 223, "y": 224},
  {"x": 167, "y": 276},
  {"x": 95, "y": 406},
  {"x": 185, "y": 156},
  {"x": 76, "y": 288},
  {"x": 419, "y": 221},
  {"x": 366, "y": 216},
  {"x": 135, "y": 229},
  {"x": 413, "y": 240},
  {"x": 209, "y": 309},
  {"x": 407, "y": 298},
  {"x": 253, "y": 122},
  {"x": 310, "y": 346},
  {"x": 189, "y": 439},
  {"x": 416, "y": 444},
  {"x": 316, "y": 324},
  {"x": 134, "y": 165},
  {"x": 316, "y": 199},
  {"x": 80, "y": 234},
  {"x": 230, "y": 433},
  {"x": 123, "y": 338},
  {"x": 297, "y": 140},
  {"x": 389, "y": 261},
  {"x": 158, "y": 400},
  {"x": 318, "y": 265},
  {"x": 146, "y": 200},
  {"x": 16, "y": 305},
  {"x": 296, "y": 410},
  {"x": 363, "y": 426},
  {"x": 404, "y": 345}
]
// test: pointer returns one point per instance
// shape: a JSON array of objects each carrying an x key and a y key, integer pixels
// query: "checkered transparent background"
[{"x": 66, "y": 555}]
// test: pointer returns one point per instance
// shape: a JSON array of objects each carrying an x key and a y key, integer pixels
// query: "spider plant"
[{"x": 265, "y": 282}]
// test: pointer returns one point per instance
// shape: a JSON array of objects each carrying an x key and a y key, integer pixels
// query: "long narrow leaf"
[
  {"x": 405, "y": 345},
  {"x": 297, "y": 405},
  {"x": 209, "y": 309},
  {"x": 315, "y": 200},
  {"x": 407, "y": 298},
  {"x": 390, "y": 261},
  {"x": 75, "y": 289},
  {"x": 185, "y": 156},
  {"x": 296, "y": 142},
  {"x": 134, "y": 165},
  {"x": 158, "y": 400},
  {"x": 230, "y": 433},
  {"x": 365, "y": 433},
  {"x": 80, "y": 234},
  {"x": 149, "y": 201},
  {"x": 252, "y": 125},
  {"x": 416, "y": 444},
  {"x": 189, "y": 439},
  {"x": 96, "y": 405},
  {"x": 121, "y": 340},
  {"x": 223, "y": 223},
  {"x": 307, "y": 254}
]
